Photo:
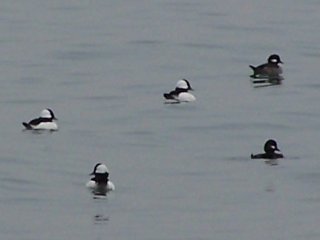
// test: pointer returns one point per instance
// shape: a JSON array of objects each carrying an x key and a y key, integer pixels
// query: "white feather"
[
  {"x": 46, "y": 126},
  {"x": 186, "y": 97},
  {"x": 92, "y": 185}
]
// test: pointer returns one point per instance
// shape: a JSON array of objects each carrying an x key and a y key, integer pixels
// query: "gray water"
[{"x": 180, "y": 171}]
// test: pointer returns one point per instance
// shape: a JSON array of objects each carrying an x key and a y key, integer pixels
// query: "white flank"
[
  {"x": 53, "y": 126},
  {"x": 186, "y": 97}
]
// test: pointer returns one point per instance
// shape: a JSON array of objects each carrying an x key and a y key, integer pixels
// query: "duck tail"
[
  {"x": 167, "y": 96},
  {"x": 252, "y": 67},
  {"x": 27, "y": 125}
]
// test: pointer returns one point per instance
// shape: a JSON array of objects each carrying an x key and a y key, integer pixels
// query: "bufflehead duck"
[
  {"x": 46, "y": 121},
  {"x": 271, "y": 68},
  {"x": 100, "y": 183},
  {"x": 180, "y": 94},
  {"x": 270, "y": 148}
]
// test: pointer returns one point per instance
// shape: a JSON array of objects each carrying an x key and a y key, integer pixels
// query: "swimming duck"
[
  {"x": 270, "y": 148},
  {"x": 46, "y": 121},
  {"x": 271, "y": 68},
  {"x": 100, "y": 184},
  {"x": 180, "y": 94}
]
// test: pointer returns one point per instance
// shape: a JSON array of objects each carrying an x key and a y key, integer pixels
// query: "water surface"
[{"x": 181, "y": 171}]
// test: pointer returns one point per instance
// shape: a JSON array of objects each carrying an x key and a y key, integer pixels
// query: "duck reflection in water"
[{"x": 266, "y": 81}]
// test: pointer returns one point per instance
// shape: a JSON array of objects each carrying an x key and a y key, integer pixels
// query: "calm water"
[{"x": 181, "y": 171}]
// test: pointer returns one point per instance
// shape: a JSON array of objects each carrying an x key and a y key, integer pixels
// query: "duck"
[
  {"x": 271, "y": 151},
  {"x": 100, "y": 184},
  {"x": 271, "y": 68},
  {"x": 181, "y": 93},
  {"x": 46, "y": 121}
]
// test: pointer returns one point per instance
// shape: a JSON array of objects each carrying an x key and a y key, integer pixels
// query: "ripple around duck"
[{"x": 239, "y": 159}]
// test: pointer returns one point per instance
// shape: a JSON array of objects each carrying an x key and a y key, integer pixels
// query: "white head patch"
[
  {"x": 45, "y": 114},
  {"x": 182, "y": 84},
  {"x": 102, "y": 169}
]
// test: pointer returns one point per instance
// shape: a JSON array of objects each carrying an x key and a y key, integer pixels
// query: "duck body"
[
  {"x": 46, "y": 121},
  {"x": 269, "y": 69},
  {"x": 267, "y": 156},
  {"x": 181, "y": 93},
  {"x": 271, "y": 151},
  {"x": 100, "y": 184},
  {"x": 41, "y": 124},
  {"x": 100, "y": 189}
]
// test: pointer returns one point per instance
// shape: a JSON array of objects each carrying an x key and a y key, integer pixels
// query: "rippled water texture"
[{"x": 181, "y": 171}]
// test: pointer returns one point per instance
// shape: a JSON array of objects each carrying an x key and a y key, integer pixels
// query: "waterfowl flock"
[{"x": 100, "y": 183}]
